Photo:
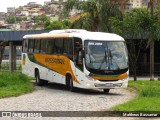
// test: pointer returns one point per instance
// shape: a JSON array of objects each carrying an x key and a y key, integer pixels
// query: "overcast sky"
[{"x": 15, "y": 3}]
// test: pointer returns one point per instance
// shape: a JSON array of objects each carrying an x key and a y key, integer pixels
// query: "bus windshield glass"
[{"x": 106, "y": 55}]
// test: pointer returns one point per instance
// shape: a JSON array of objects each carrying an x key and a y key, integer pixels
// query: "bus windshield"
[{"x": 106, "y": 55}]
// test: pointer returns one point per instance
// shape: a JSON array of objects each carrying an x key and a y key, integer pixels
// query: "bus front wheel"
[
  {"x": 69, "y": 83},
  {"x": 106, "y": 90}
]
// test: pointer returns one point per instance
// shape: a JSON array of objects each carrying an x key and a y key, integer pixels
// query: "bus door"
[{"x": 78, "y": 54}]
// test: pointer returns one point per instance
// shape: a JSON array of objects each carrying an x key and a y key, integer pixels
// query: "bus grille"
[{"x": 108, "y": 80}]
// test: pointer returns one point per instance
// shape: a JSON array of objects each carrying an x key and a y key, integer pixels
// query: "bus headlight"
[
  {"x": 90, "y": 78},
  {"x": 124, "y": 79}
]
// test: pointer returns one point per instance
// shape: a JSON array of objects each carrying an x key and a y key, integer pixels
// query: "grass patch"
[
  {"x": 147, "y": 99},
  {"x": 14, "y": 84}
]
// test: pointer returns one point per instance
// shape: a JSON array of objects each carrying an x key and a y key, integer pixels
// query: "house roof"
[{"x": 17, "y": 36}]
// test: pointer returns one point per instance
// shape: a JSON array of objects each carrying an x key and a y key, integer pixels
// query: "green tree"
[
  {"x": 153, "y": 34},
  {"x": 137, "y": 24},
  {"x": 66, "y": 24},
  {"x": 21, "y": 18},
  {"x": 56, "y": 25},
  {"x": 11, "y": 19},
  {"x": 134, "y": 26},
  {"x": 53, "y": 25},
  {"x": 40, "y": 21},
  {"x": 46, "y": 24},
  {"x": 42, "y": 18},
  {"x": 93, "y": 14}
]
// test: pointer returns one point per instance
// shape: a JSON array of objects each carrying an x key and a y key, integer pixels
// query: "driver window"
[{"x": 78, "y": 53}]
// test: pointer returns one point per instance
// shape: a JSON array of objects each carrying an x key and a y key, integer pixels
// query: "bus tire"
[
  {"x": 106, "y": 90},
  {"x": 45, "y": 82},
  {"x": 39, "y": 82},
  {"x": 69, "y": 83}
]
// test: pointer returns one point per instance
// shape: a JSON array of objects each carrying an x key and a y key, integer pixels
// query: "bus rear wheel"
[
  {"x": 69, "y": 83},
  {"x": 39, "y": 81},
  {"x": 106, "y": 90}
]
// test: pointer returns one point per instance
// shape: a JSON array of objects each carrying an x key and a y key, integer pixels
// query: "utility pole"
[{"x": 150, "y": 4}]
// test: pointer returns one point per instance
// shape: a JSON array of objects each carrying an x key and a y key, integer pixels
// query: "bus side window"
[
  {"x": 59, "y": 45},
  {"x": 68, "y": 47},
  {"x": 50, "y": 46},
  {"x": 65, "y": 51},
  {"x": 43, "y": 46},
  {"x": 30, "y": 45},
  {"x": 37, "y": 46}
]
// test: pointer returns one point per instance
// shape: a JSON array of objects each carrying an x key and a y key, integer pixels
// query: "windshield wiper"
[
  {"x": 105, "y": 59},
  {"x": 108, "y": 59},
  {"x": 90, "y": 58},
  {"x": 110, "y": 54}
]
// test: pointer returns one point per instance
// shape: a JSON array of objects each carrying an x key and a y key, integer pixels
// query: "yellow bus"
[{"x": 77, "y": 59}]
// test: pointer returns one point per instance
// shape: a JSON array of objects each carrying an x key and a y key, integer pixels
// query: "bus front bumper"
[{"x": 106, "y": 84}]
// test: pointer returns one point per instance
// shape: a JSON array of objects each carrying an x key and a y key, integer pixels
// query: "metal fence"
[
  {"x": 5, "y": 66},
  {"x": 143, "y": 69}
]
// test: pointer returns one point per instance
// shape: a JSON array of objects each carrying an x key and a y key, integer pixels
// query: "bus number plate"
[{"x": 109, "y": 85}]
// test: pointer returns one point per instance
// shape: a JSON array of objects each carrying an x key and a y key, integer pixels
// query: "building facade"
[
  {"x": 11, "y": 11},
  {"x": 2, "y": 15}
]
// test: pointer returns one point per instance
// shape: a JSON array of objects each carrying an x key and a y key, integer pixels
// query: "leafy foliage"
[
  {"x": 137, "y": 24},
  {"x": 97, "y": 14},
  {"x": 40, "y": 18},
  {"x": 140, "y": 28},
  {"x": 10, "y": 19},
  {"x": 65, "y": 24},
  {"x": 21, "y": 18}
]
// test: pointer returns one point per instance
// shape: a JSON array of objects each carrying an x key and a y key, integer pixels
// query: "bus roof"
[{"x": 80, "y": 33}]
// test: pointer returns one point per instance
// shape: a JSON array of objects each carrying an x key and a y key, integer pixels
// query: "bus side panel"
[
  {"x": 80, "y": 76},
  {"x": 28, "y": 67},
  {"x": 51, "y": 67},
  {"x": 56, "y": 65}
]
